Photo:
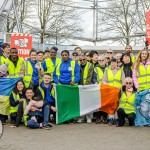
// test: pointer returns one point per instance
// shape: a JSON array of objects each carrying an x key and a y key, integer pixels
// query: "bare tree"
[{"x": 123, "y": 18}]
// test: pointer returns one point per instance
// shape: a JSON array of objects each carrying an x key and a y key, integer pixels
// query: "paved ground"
[{"x": 76, "y": 137}]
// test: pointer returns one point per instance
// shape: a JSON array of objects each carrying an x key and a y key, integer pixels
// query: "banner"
[
  {"x": 23, "y": 42},
  {"x": 142, "y": 105},
  {"x": 148, "y": 26},
  {"x": 76, "y": 101}
]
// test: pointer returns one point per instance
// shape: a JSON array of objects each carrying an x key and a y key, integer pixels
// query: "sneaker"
[
  {"x": 46, "y": 127},
  {"x": 98, "y": 120},
  {"x": 3, "y": 121},
  {"x": 89, "y": 121},
  {"x": 111, "y": 122},
  {"x": 105, "y": 120},
  {"x": 81, "y": 120}
]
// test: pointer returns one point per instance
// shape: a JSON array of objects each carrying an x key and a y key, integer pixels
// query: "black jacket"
[{"x": 127, "y": 68}]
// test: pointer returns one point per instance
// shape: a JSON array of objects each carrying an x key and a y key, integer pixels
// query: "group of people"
[{"x": 32, "y": 100}]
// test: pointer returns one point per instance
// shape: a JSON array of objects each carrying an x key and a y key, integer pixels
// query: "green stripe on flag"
[{"x": 68, "y": 105}]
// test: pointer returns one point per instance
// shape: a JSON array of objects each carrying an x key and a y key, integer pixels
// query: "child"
[
  {"x": 126, "y": 107},
  {"x": 35, "y": 104}
]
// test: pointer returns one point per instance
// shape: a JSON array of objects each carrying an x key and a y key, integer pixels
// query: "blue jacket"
[
  {"x": 142, "y": 105},
  {"x": 65, "y": 73},
  {"x": 35, "y": 76}
]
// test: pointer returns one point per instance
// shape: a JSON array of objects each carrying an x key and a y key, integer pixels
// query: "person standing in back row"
[{"x": 50, "y": 63}]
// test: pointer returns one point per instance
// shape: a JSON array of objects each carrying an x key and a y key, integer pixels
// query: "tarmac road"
[{"x": 76, "y": 137}]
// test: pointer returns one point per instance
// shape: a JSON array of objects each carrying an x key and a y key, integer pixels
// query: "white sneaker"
[
  {"x": 80, "y": 120},
  {"x": 89, "y": 121}
]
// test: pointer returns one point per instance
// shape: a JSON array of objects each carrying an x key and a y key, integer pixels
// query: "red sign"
[
  {"x": 23, "y": 42},
  {"x": 148, "y": 26}
]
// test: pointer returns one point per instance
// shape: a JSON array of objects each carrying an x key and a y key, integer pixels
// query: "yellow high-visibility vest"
[
  {"x": 99, "y": 73},
  {"x": 52, "y": 92},
  {"x": 2, "y": 60},
  {"x": 143, "y": 77},
  {"x": 114, "y": 80},
  {"x": 127, "y": 103},
  {"x": 72, "y": 64},
  {"x": 14, "y": 72},
  {"x": 12, "y": 108},
  {"x": 50, "y": 66},
  {"x": 85, "y": 73},
  {"x": 25, "y": 117}
]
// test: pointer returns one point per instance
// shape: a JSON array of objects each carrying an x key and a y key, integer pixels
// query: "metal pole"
[
  {"x": 16, "y": 16},
  {"x": 94, "y": 22}
]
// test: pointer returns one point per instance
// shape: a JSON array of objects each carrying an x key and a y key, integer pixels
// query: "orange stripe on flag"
[{"x": 109, "y": 98}]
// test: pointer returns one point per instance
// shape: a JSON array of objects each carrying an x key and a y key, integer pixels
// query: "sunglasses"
[
  {"x": 109, "y": 52},
  {"x": 82, "y": 59},
  {"x": 100, "y": 60},
  {"x": 129, "y": 83}
]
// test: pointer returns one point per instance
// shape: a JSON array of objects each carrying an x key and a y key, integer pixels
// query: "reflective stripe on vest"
[
  {"x": 50, "y": 66},
  {"x": 28, "y": 74},
  {"x": 52, "y": 92},
  {"x": 114, "y": 80},
  {"x": 14, "y": 109},
  {"x": 2, "y": 60},
  {"x": 143, "y": 77},
  {"x": 127, "y": 103},
  {"x": 14, "y": 72},
  {"x": 25, "y": 117},
  {"x": 99, "y": 73},
  {"x": 85, "y": 73},
  {"x": 72, "y": 64}
]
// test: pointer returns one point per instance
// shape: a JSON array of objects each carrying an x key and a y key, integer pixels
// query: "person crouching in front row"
[{"x": 126, "y": 107}]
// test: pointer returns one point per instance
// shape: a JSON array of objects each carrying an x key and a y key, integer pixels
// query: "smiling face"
[
  {"x": 40, "y": 57},
  {"x": 33, "y": 56},
  {"x": 65, "y": 56},
  {"x": 29, "y": 94},
  {"x": 114, "y": 64},
  {"x": 20, "y": 86},
  {"x": 53, "y": 54},
  {"x": 126, "y": 59},
  {"x": 144, "y": 55},
  {"x": 14, "y": 54}
]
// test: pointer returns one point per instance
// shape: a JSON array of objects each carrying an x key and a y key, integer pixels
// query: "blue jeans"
[
  {"x": 46, "y": 112},
  {"x": 33, "y": 124}
]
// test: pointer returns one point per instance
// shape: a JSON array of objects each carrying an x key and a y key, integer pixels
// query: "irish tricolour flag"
[{"x": 75, "y": 101}]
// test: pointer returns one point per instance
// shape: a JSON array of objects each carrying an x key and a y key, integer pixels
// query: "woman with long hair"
[
  {"x": 33, "y": 71},
  {"x": 141, "y": 71},
  {"x": 17, "y": 96}
]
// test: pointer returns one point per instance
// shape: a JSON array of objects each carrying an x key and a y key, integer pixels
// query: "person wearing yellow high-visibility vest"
[
  {"x": 126, "y": 107},
  {"x": 86, "y": 71},
  {"x": 128, "y": 49},
  {"x": 50, "y": 63},
  {"x": 85, "y": 79},
  {"x": 68, "y": 71},
  {"x": 15, "y": 64},
  {"x": 35, "y": 118},
  {"x": 16, "y": 96},
  {"x": 101, "y": 117},
  {"x": 4, "y": 53},
  {"x": 33, "y": 71},
  {"x": 127, "y": 64},
  {"x": 46, "y": 92},
  {"x": 113, "y": 76},
  {"x": 99, "y": 70},
  {"x": 141, "y": 71}
]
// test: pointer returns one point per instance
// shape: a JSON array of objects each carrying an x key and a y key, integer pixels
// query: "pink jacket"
[{"x": 134, "y": 76}]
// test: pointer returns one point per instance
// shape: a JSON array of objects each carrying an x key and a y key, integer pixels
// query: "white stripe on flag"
[{"x": 90, "y": 98}]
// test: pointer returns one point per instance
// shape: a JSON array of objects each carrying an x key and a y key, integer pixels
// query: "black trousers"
[
  {"x": 122, "y": 115},
  {"x": 13, "y": 117},
  {"x": 100, "y": 114}
]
